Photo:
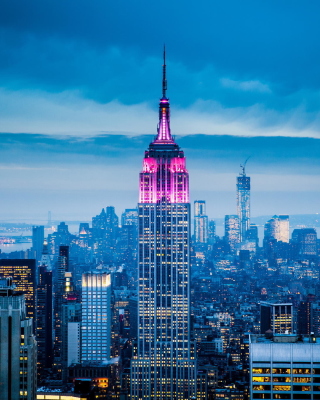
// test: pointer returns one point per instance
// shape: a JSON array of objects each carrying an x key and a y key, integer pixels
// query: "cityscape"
[{"x": 182, "y": 264}]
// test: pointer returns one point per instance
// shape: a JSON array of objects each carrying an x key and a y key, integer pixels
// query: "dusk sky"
[{"x": 79, "y": 89}]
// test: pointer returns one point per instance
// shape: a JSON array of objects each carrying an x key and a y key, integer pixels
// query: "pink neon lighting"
[
  {"x": 164, "y": 179},
  {"x": 164, "y": 133}
]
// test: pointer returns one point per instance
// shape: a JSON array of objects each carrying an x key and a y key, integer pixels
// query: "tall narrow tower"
[
  {"x": 200, "y": 222},
  {"x": 243, "y": 202},
  {"x": 163, "y": 367}
]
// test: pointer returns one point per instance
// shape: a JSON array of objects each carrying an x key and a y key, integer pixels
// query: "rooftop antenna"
[
  {"x": 164, "y": 73},
  {"x": 243, "y": 167}
]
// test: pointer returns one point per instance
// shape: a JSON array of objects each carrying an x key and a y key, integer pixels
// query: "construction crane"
[{"x": 243, "y": 167}]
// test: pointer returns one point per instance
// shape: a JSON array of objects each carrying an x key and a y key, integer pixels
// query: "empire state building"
[{"x": 164, "y": 365}]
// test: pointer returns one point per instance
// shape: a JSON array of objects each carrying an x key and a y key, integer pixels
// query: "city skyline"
[{"x": 141, "y": 263}]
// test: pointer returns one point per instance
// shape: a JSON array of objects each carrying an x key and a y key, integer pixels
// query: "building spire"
[
  {"x": 164, "y": 132},
  {"x": 164, "y": 74}
]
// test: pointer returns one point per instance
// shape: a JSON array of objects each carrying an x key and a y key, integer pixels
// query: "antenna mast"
[{"x": 164, "y": 74}]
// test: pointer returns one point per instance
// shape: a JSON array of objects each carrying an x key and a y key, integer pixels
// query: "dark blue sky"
[{"x": 243, "y": 75}]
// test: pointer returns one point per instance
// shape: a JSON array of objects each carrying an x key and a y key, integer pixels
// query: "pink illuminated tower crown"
[{"x": 164, "y": 175}]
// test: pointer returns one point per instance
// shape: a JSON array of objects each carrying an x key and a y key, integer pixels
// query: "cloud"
[
  {"x": 246, "y": 86},
  {"x": 68, "y": 113}
]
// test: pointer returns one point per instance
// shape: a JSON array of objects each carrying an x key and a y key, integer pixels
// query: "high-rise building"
[
  {"x": 37, "y": 242},
  {"x": 105, "y": 228},
  {"x": 164, "y": 364},
  {"x": 277, "y": 228},
  {"x": 304, "y": 315},
  {"x": 276, "y": 317},
  {"x": 18, "y": 347},
  {"x": 243, "y": 203},
  {"x": 62, "y": 237},
  {"x": 23, "y": 273},
  {"x": 60, "y": 291},
  {"x": 232, "y": 232},
  {"x": 284, "y": 367},
  {"x": 129, "y": 217},
  {"x": 96, "y": 317},
  {"x": 70, "y": 333},
  {"x": 306, "y": 241},
  {"x": 200, "y": 222},
  {"x": 44, "y": 330},
  {"x": 252, "y": 235}
]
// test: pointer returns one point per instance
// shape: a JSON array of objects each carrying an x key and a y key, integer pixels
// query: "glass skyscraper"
[
  {"x": 96, "y": 317},
  {"x": 163, "y": 366},
  {"x": 243, "y": 203}
]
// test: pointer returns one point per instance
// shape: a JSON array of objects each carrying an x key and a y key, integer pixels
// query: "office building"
[
  {"x": 37, "y": 242},
  {"x": 96, "y": 317},
  {"x": 23, "y": 273},
  {"x": 44, "y": 332},
  {"x": 105, "y": 228},
  {"x": 164, "y": 365},
  {"x": 232, "y": 232},
  {"x": 284, "y": 367},
  {"x": 18, "y": 347},
  {"x": 304, "y": 316},
  {"x": 276, "y": 317},
  {"x": 70, "y": 334},
  {"x": 129, "y": 217},
  {"x": 306, "y": 241},
  {"x": 252, "y": 235},
  {"x": 62, "y": 237},
  {"x": 60, "y": 293},
  {"x": 243, "y": 203},
  {"x": 200, "y": 222},
  {"x": 277, "y": 228}
]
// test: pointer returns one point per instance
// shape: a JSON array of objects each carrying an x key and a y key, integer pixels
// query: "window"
[
  {"x": 281, "y": 371},
  {"x": 261, "y": 387},
  {"x": 261, "y": 370},
  {"x": 261, "y": 379},
  {"x": 281, "y": 388}
]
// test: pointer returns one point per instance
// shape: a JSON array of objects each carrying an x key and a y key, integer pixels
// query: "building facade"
[
  {"x": 96, "y": 317},
  {"x": 284, "y": 367},
  {"x": 18, "y": 347},
  {"x": 276, "y": 317},
  {"x": 23, "y": 273},
  {"x": 278, "y": 228},
  {"x": 200, "y": 222},
  {"x": 163, "y": 366},
  {"x": 232, "y": 232}
]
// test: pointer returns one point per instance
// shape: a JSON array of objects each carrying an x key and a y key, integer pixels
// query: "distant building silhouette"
[
  {"x": 243, "y": 203},
  {"x": 200, "y": 222}
]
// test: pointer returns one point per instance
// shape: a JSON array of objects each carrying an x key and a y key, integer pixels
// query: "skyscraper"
[
  {"x": 163, "y": 367},
  {"x": 96, "y": 317},
  {"x": 243, "y": 203},
  {"x": 306, "y": 242},
  {"x": 200, "y": 222},
  {"x": 59, "y": 297},
  {"x": 23, "y": 273},
  {"x": 231, "y": 229},
  {"x": 37, "y": 242},
  {"x": 44, "y": 316},
  {"x": 277, "y": 228},
  {"x": 18, "y": 347},
  {"x": 277, "y": 317}
]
